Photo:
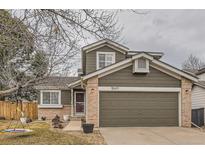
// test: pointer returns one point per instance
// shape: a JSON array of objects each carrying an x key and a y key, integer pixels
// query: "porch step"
[
  {"x": 75, "y": 118},
  {"x": 73, "y": 125}
]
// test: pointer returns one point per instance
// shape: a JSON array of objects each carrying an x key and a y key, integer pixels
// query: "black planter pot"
[{"x": 88, "y": 128}]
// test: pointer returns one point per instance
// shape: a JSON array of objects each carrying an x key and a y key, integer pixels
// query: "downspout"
[{"x": 72, "y": 102}]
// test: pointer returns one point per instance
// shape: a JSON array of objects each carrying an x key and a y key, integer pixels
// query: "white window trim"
[
  {"x": 136, "y": 69},
  {"x": 59, "y": 105},
  {"x": 79, "y": 114},
  {"x": 97, "y": 58}
]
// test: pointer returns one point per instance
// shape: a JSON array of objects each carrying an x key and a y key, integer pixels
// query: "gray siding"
[
  {"x": 138, "y": 109},
  {"x": 90, "y": 58},
  {"x": 65, "y": 97},
  {"x": 198, "y": 97},
  {"x": 126, "y": 78}
]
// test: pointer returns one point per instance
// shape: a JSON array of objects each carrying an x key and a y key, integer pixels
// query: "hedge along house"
[{"x": 124, "y": 88}]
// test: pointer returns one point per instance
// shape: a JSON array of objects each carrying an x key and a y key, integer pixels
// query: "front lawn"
[{"x": 42, "y": 134}]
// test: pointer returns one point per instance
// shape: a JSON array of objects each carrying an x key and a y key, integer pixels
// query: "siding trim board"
[
  {"x": 180, "y": 108},
  {"x": 166, "y": 71},
  {"x": 104, "y": 70},
  {"x": 114, "y": 70},
  {"x": 175, "y": 70},
  {"x": 72, "y": 105},
  {"x": 140, "y": 89}
]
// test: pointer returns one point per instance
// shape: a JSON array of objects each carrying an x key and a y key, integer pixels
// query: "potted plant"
[
  {"x": 66, "y": 117},
  {"x": 23, "y": 118},
  {"x": 88, "y": 128},
  {"x": 43, "y": 118}
]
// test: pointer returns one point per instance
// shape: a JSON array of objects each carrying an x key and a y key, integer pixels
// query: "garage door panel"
[
  {"x": 129, "y": 95},
  {"x": 141, "y": 113},
  {"x": 141, "y": 106},
  {"x": 138, "y": 109},
  {"x": 140, "y": 99},
  {"x": 138, "y": 122}
]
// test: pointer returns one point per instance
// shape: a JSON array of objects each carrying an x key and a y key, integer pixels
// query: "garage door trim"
[{"x": 142, "y": 89}]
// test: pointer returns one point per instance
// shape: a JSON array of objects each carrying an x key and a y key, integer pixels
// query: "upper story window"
[
  {"x": 141, "y": 65},
  {"x": 104, "y": 59}
]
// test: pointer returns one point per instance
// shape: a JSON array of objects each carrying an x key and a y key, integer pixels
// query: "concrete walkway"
[
  {"x": 152, "y": 135},
  {"x": 73, "y": 126}
]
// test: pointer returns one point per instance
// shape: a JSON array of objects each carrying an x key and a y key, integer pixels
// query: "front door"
[{"x": 79, "y": 103}]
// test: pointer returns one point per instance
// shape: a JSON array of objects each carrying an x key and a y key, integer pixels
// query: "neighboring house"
[
  {"x": 198, "y": 91},
  {"x": 119, "y": 87}
]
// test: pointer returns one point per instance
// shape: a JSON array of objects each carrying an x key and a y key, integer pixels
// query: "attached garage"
[
  {"x": 138, "y": 109},
  {"x": 139, "y": 90}
]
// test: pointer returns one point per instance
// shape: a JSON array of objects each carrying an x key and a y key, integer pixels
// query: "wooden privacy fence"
[{"x": 9, "y": 110}]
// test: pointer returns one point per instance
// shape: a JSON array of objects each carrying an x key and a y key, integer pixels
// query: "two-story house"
[{"x": 119, "y": 87}]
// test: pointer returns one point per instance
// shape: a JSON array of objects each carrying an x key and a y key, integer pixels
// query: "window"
[
  {"x": 50, "y": 97},
  {"x": 141, "y": 65},
  {"x": 104, "y": 59}
]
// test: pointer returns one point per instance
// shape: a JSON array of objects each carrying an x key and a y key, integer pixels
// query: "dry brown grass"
[{"x": 43, "y": 135}]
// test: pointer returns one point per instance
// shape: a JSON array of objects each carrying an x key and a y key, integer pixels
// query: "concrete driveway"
[{"x": 152, "y": 135}]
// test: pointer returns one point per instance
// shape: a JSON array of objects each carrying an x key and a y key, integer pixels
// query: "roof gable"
[
  {"x": 144, "y": 55},
  {"x": 127, "y": 61},
  {"x": 105, "y": 42}
]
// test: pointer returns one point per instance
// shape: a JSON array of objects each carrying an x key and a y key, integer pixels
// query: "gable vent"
[{"x": 141, "y": 65}]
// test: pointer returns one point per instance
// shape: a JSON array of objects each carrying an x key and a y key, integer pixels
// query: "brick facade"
[
  {"x": 186, "y": 106},
  {"x": 50, "y": 113},
  {"x": 92, "y": 101}
]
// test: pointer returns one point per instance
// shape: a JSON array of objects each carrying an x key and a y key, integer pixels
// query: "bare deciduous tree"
[
  {"x": 193, "y": 64},
  {"x": 36, "y": 43}
]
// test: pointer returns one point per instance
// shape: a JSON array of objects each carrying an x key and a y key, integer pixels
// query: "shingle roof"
[
  {"x": 200, "y": 84},
  {"x": 105, "y": 41},
  {"x": 55, "y": 82},
  {"x": 200, "y": 71}
]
